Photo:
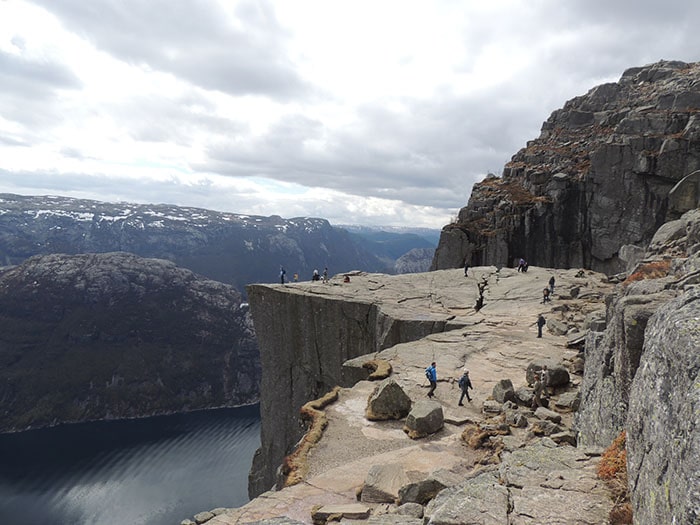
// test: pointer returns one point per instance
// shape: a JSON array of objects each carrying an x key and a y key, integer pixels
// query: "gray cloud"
[{"x": 192, "y": 40}]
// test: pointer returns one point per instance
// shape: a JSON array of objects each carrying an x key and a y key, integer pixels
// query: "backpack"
[{"x": 428, "y": 374}]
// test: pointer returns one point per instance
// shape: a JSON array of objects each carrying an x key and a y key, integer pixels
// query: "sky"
[{"x": 376, "y": 112}]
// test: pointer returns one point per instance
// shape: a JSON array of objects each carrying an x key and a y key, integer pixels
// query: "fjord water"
[{"x": 152, "y": 471}]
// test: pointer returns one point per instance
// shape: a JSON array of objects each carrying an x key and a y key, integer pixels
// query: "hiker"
[
  {"x": 282, "y": 274},
  {"x": 540, "y": 323},
  {"x": 544, "y": 379},
  {"x": 346, "y": 279},
  {"x": 315, "y": 276},
  {"x": 296, "y": 277},
  {"x": 545, "y": 295},
  {"x": 466, "y": 268},
  {"x": 551, "y": 285},
  {"x": 465, "y": 384},
  {"x": 325, "y": 274},
  {"x": 522, "y": 265},
  {"x": 537, "y": 398},
  {"x": 431, "y": 374}
]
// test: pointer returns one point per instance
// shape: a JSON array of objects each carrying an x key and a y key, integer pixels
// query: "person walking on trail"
[
  {"x": 465, "y": 384},
  {"x": 545, "y": 295},
  {"x": 282, "y": 274},
  {"x": 431, "y": 374},
  {"x": 466, "y": 268},
  {"x": 551, "y": 285},
  {"x": 540, "y": 323}
]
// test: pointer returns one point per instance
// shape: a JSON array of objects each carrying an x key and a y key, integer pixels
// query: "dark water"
[{"x": 153, "y": 471}]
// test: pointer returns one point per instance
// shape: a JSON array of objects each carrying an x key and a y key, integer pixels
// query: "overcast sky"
[{"x": 362, "y": 112}]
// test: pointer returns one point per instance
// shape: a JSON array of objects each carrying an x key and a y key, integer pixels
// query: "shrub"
[{"x": 613, "y": 470}]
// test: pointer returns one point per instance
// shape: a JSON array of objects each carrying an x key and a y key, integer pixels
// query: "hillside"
[
  {"x": 231, "y": 248},
  {"x": 108, "y": 336}
]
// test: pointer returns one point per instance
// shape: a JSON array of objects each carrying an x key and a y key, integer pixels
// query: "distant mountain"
[
  {"x": 231, "y": 248},
  {"x": 107, "y": 336},
  {"x": 389, "y": 244}
]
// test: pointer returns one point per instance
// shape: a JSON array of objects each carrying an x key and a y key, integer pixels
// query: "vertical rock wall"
[{"x": 304, "y": 338}]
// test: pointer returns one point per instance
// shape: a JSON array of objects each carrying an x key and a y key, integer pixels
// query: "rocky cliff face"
[
  {"x": 234, "y": 249},
  {"x": 641, "y": 376},
  {"x": 115, "y": 336},
  {"x": 305, "y": 334},
  {"x": 598, "y": 177}
]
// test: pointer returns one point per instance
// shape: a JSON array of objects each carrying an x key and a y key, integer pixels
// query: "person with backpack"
[
  {"x": 431, "y": 374},
  {"x": 465, "y": 384},
  {"x": 545, "y": 295},
  {"x": 551, "y": 285},
  {"x": 540, "y": 323},
  {"x": 282, "y": 274}
]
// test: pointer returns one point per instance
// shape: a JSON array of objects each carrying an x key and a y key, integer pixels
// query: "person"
[
  {"x": 521, "y": 265},
  {"x": 537, "y": 397},
  {"x": 282, "y": 274},
  {"x": 346, "y": 279},
  {"x": 315, "y": 276},
  {"x": 296, "y": 277},
  {"x": 465, "y": 384},
  {"x": 325, "y": 275},
  {"x": 466, "y": 268},
  {"x": 545, "y": 295},
  {"x": 431, "y": 374},
  {"x": 551, "y": 285},
  {"x": 540, "y": 323},
  {"x": 544, "y": 379}
]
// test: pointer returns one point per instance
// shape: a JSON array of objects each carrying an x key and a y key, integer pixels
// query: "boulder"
[
  {"x": 482, "y": 499},
  {"x": 410, "y": 509},
  {"x": 558, "y": 374},
  {"x": 383, "y": 482},
  {"x": 568, "y": 401},
  {"x": 545, "y": 428},
  {"x": 516, "y": 419},
  {"x": 425, "y": 418},
  {"x": 387, "y": 401},
  {"x": 421, "y": 492},
  {"x": 503, "y": 391},
  {"x": 557, "y": 327},
  {"x": 203, "y": 517},
  {"x": 524, "y": 396},
  {"x": 548, "y": 415}
]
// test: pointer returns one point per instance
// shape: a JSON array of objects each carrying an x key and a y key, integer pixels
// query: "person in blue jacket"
[{"x": 431, "y": 374}]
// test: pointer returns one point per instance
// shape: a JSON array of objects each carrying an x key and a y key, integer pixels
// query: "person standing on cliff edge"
[{"x": 431, "y": 374}]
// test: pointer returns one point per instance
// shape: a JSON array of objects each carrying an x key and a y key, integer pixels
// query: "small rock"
[
  {"x": 569, "y": 401},
  {"x": 351, "y": 511},
  {"x": 203, "y": 517},
  {"x": 524, "y": 396},
  {"x": 491, "y": 406},
  {"x": 549, "y": 415},
  {"x": 545, "y": 428},
  {"x": 516, "y": 419},
  {"x": 567, "y": 437},
  {"x": 410, "y": 509}
]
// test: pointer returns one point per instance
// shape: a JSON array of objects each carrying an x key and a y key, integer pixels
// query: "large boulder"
[
  {"x": 388, "y": 401},
  {"x": 425, "y": 418},
  {"x": 423, "y": 491},
  {"x": 503, "y": 391},
  {"x": 558, "y": 374},
  {"x": 383, "y": 482}
]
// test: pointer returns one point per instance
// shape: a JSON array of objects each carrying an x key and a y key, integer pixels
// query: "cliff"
[
  {"x": 107, "y": 336},
  {"x": 306, "y": 332},
  {"x": 598, "y": 177},
  {"x": 640, "y": 365}
]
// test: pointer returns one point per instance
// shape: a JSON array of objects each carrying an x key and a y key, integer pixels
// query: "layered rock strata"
[{"x": 597, "y": 178}]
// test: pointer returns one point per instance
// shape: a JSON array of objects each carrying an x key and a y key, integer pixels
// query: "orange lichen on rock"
[{"x": 652, "y": 270}]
